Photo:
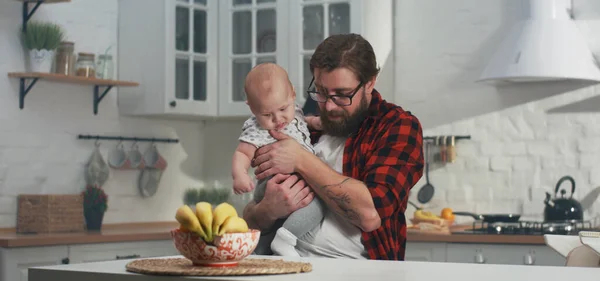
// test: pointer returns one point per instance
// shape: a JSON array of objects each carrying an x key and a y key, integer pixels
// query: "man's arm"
[
  {"x": 394, "y": 167},
  {"x": 347, "y": 197}
]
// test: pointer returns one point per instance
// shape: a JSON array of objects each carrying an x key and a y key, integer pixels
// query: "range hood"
[{"x": 546, "y": 46}]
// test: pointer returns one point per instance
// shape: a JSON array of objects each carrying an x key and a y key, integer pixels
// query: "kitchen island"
[{"x": 332, "y": 270}]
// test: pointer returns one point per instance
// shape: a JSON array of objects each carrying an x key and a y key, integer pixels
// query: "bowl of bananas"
[{"x": 215, "y": 237}]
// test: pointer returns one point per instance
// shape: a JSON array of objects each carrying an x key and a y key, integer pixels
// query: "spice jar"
[
  {"x": 105, "y": 67},
  {"x": 85, "y": 65},
  {"x": 65, "y": 58}
]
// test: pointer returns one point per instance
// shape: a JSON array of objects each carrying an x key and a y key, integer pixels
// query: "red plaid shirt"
[{"x": 386, "y": 154}]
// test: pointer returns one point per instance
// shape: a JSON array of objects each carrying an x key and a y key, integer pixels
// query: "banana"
[
  {"x": 186, "y": 217},
  {"x": 420, "y": 214},
  {"x": 233, "y": 224},
  {"x": 221, "y": 213},
  {"x": 205, "y": 216}
]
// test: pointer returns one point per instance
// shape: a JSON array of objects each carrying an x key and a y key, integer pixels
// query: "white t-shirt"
[{"x": 334, "y": 238}]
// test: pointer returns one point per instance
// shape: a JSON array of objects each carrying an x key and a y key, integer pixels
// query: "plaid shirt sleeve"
[{"x": 393, "y": 168}]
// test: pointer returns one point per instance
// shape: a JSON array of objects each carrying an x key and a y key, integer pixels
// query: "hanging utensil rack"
[
  {"x": 121, "y": 138},
  {"x": 455, "y": 137}
]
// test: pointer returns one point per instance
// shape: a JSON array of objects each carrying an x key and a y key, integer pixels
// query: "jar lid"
[
  {"x": 105, "y": 57},
  {"x": 67, "y": 43},
  {"x": 86, "y": 55}
]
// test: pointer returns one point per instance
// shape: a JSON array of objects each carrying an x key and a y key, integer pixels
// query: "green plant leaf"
[{"x": 42, "y": 35}]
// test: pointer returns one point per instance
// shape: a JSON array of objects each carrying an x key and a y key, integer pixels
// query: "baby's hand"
[
  {"x": 242, "y": 184},
  {"x": 314, "y": 122}
]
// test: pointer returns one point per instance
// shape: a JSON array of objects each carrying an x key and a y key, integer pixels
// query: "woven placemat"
[{"x": 248, "y": 266}]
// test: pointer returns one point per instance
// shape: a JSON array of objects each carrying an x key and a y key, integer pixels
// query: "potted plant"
[
  {"x": 212, "y": 195},
  {"x": 94, "y": 206},
  {"x": 41, "y": 40}
]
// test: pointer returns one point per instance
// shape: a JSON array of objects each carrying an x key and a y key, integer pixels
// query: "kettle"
[{"x": 563, "y": 208}]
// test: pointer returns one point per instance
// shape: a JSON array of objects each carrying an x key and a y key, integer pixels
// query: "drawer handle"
[
  {"x": 479, "y": 258},
  {"x": 134, "y": 256},
  {"x": 65, "y": 261},
  {"x": 529, "y": 259}
]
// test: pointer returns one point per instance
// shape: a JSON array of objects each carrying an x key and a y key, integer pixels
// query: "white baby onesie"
[{"x": 252, "y": 132}]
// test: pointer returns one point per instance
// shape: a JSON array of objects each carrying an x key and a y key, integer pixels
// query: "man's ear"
[{"x": 370, "y": 85}]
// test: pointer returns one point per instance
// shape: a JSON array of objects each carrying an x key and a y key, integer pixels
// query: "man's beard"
[{"x": 348, "y": 124}]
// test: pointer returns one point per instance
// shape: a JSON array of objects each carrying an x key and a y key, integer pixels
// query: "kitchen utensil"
[
  {"x": 414, "y": 205},
  {"x": 491, "y": 218},
  {"x": 426, "y": 192},
  {"x": 443, "y": 150},
  {"x": 96, "y": 170},
  {"x": 149, "y": 181},
  {"x": 451, "y": 150},
  {"x": 590, "y": 198},
  {"x": 563, "y": 208}
]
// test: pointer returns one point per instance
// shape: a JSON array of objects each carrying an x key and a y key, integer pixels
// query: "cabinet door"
[
  {"x": 421, "y": 251},
  {"x": 312, "y": 22},
  {"x": 123, "y": 250},
  {"x": 15, "y": 262},
  {"x": 251, "y": 32},
  {"x": 503, "y": 254},
  {"x": 192, "y": 57}
]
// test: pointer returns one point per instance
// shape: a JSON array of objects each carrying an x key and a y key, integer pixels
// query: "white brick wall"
[
  {"x": 517, "y": 151},
  {"x": 39, "y": 152}
]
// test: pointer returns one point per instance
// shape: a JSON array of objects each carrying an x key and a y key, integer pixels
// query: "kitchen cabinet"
[
  {"x": 123, "y": 250},
  {"x": 483, "y": 253},
  {"x": 503, "y": 254},
  {"x": 191, "y": 59},
  {"x": 422, "y": 251},
  {"x": 171, "y": 48},
  {"x": 14, "y": 262}
]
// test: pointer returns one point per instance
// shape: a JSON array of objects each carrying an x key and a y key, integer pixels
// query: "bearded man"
[{"x": 368, "y": 157}]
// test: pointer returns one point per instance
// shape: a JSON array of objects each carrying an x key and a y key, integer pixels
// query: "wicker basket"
[{"x": 50, "y": 213}]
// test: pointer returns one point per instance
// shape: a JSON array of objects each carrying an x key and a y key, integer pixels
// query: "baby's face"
[{"x": 275, "y": 111}]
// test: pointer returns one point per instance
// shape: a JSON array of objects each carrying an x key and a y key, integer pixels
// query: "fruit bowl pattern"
[{"x": 225, "y": 250}]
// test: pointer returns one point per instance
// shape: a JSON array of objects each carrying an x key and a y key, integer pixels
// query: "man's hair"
[{"x": 351, "y": 51}]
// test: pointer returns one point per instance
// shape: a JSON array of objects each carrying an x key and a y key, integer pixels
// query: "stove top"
[{"x": 529, "y": 228}]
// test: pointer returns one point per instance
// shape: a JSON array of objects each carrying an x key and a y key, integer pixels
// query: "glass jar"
[
  {"x": 105, "y": 67},
  {"x": 64, "y": 62},
  {"x": 85, "y": 65}
]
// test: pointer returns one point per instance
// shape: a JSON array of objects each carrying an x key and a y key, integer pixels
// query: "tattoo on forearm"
[{"x": 342, "y": 199}]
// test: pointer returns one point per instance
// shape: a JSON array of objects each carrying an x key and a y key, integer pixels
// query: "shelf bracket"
[
  {"x": 24, "y": 89},
  {"x": 98, "y": 98},
  {"x": 27, "y": 14}
]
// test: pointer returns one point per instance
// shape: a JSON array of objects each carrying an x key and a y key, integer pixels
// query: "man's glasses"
[{"x": 339, "y": 99}]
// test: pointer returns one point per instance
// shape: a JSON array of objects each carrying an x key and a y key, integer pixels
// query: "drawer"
[
  {"x": 503, "y": 254},
  {"x": 121, "y": 250}
]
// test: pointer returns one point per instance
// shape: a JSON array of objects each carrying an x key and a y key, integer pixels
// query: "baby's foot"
[{"x": 284, "y": 243}]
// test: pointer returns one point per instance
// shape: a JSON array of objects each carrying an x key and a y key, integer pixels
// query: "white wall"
[
  {"x": 39, "y": 152},
  {"x": 518, "y": 151}
]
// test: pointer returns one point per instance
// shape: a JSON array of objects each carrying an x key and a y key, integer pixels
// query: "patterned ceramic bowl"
[{"x": 225, "y": 250}]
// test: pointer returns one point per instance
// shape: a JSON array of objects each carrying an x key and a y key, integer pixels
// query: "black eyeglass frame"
[{"x": 313, "y": 94}]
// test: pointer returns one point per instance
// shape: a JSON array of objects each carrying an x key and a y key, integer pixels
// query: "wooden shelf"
[{"x": 70, "y": 79}]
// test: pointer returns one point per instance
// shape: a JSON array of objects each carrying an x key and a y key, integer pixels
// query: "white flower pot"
[{"x": 41, "y": 60}]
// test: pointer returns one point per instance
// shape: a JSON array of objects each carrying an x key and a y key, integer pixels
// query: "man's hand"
[
  {"x": 285, "y": 194},
  {"x": 242, "y": 184},
  {"x": 277, "y": 158}
]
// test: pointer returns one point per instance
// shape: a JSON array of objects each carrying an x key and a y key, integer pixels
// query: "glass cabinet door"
[
  {"x": 254, "y": 37},
  {"x": 317, "y": 20},
  {"x": 195, "y": 55}
]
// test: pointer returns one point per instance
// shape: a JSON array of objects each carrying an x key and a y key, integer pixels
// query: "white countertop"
[{"x": 335, "y": 269}]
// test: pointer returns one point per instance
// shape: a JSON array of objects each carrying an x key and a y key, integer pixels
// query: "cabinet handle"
[
  {"x": 65, "y": 261},
  {"x": 173, "y": 103},
  {"x": 529, "y": 259},
  {"x": 479, "y": 258},
  {"x": 134, "y": 256}
]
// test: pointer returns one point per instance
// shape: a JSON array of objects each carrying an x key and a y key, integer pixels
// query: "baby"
[{"x": 271, "y": 98}]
